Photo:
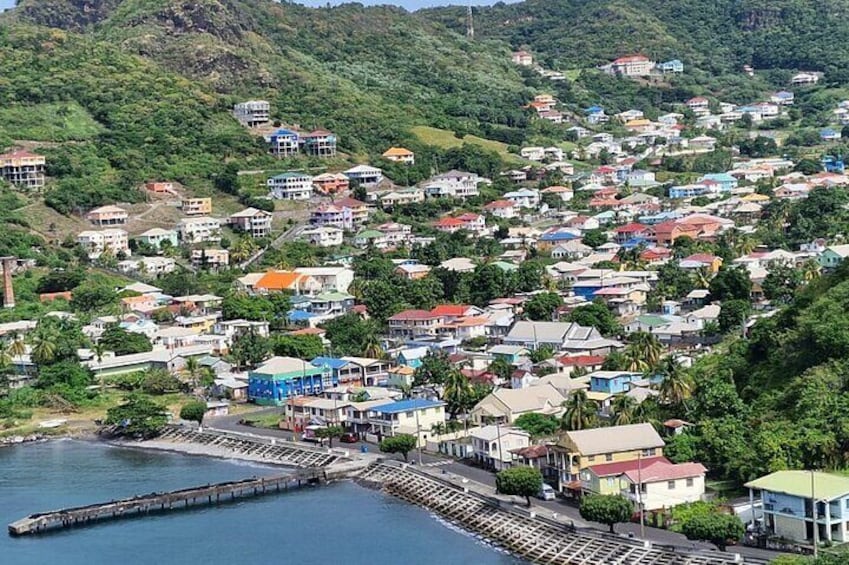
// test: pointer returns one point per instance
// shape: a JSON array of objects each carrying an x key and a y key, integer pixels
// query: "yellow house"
[
  {"x": 580, "y": 449},
  {"x": 197, "y": 206}
]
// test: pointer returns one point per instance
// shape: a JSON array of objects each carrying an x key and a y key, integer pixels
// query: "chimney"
[{"x": 8, "y": 290}]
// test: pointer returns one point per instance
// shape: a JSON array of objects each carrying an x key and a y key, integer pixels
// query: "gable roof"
[
  {"x": 615, "y": 439},
  {"x": 826, "y": 486},
  {"x": 660, "y": 471},
  {"x": 278, "y": 280},
  {"x": 622, "y": 467}
]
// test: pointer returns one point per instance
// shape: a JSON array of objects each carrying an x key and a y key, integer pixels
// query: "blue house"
[
  {"x": 284, "y": 143},
  {"x": 558, "y": 236},
  {"x": 787, "y": 504},
  {"x": 833, "y": 164},
  {"x": 412, "y": 356},
  {"x": 829, "y": 134},
  {"x": 510, "y": 353},
  {"x": 687, "y": 190},
  {"x": 341, "y": 370},
  {"x": 725, "y": 181},
  {"x": 281, "y": 378},
  {"x": 594, "y": 110},
  {"x": 673, "y": 66},
  {"x": 612, "y": 382}
]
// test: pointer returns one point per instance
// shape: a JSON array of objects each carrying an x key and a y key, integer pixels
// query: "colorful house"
[{"x": 282, "y": 378}]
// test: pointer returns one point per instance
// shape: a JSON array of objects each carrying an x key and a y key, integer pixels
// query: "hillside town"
[{"x": 541, "y": 314}]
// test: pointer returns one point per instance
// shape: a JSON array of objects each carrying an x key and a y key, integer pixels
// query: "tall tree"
[{"x": 581, "y": 412}]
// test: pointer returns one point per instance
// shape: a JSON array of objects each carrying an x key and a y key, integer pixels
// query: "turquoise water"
[{"x": 340, "y": 523}]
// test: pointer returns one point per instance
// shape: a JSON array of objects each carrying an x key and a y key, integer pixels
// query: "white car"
[{"x": 547, "y": 493}]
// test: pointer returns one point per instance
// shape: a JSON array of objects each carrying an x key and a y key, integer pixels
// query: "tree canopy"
[{"x": 519, "y": 481}]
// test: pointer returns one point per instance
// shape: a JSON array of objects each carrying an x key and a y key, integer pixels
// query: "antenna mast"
[{"x": 470, "y": 24}]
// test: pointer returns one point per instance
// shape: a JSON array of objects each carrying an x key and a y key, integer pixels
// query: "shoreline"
[{"x": 195, "y": 450}]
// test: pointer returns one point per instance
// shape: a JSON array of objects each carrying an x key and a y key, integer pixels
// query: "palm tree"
[
  {"x": 99, "y": 349},
  {"x": 810, "y": 270},
  {"x": 624, "y": 410},
  {"x": 16, "y": 347},
  {"x": 702, "y": 277},
  {"x": 43, "y": 346},
  {"x": 581, "y": 412},
  {"x": 373, "y": 348},
  {"x": 643, "y": 352},
  {"x": 675, "y": 387},
  {"x": 457, "y": 393},
  {"x": 192, "y": 368}
]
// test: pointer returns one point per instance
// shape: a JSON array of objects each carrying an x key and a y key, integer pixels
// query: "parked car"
[
  {"x": 546, "y": 492},
  {"x": 349, "y": 438}
]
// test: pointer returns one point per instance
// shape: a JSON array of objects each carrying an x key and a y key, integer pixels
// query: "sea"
[{"x": 341, "y": 523}]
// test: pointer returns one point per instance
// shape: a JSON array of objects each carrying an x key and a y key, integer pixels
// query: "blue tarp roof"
[
  {"x": 299, "y": 315},
  {"x": 407, "y": 405},
  {"x": 332, "y": 362}
]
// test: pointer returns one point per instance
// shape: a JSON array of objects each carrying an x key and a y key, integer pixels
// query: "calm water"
[{"x": 341, "y": 523}]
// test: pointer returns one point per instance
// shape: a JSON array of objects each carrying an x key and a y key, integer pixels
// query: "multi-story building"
[
  {"x": 254, "y": 222},
  {"x": 290, "y": 185},
  {"x": 400, "y": 155},
  {"x": 454, "y": 184},
  {"x": 493, "y": 445},
  {"x": 631, "y": 66},
  {"x": 252, "y": 113},
  {"x": 331, "y": 215},
  {"x": 415, "y": 323},
  {"x": 415, "y": 416},
  {"x": 319, "y": 143},
  {"x": 23, "y": 169},
  {"x": 323, "y": 236},
  {"x": 196, "y": 206},
  {"x": 336, "y": 279},
  {"x": 522, "y": 58},
  {"x": 284, "y": 143},
  {"x": 330, "y": 183},
  {"x": 151, "y": 266},
  {"x": 402, "y": 197},
  {"x": 281, "y": 378},
  {"x": 364, "y": 175},
  {"x": 107, "y": 216},
  {"x": 198, "y": 230},
  {"x": 210, "y": 258},
  {"x": 112, "y": 240},
  {"x": 155, "y": 237}
]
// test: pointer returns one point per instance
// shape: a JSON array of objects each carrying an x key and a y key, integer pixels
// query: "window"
[
  {"x": 671, "y": 485},
  {"x": 690, "y": 482},
  {"x": 649, "y": 452},
  {"x": 611, "y": 481},
  {"x": 608, "y": 457},
  {"x": 591, "y": 458}
]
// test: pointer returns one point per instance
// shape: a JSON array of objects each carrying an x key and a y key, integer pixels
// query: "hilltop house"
[
  {"x": 673, "y": 66},
  {"x": 199, "y": 230},
  {"x": 252, "y": 112},
  {"x": 254, "y": 222},
  {"x": 196, "y": 206},
  {"x": 319, "y": 143},
  {"x": 522, "y": 58},
  {"x": 631, "y": 66},
  {"x": 290, "y": 186},
  {"x": 400, "y": 155},
  {"x": 455, "y": 184},
  {"x": 107, "y": 216},
  {"x": 210, "y": 258},
  {"x": 323, "y": 236},
  {"x": 364, "y": 175},
  {"x": 113, "y": 241},
  {"x": 330, "y": 183},
  {"x": 284, "y": 143},
  {"x": 23, "y": 169},
  {"x": 155, "y": 237}
]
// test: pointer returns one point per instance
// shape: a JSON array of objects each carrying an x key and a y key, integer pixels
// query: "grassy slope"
[
  {"x": 446, "y": 139},
  {"x": 48, "y": 122}
]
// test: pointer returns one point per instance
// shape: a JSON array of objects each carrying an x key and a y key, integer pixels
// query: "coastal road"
[{"x": 484, "y": 481}]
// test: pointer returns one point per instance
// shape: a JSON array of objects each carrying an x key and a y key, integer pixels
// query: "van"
[{"x": 547, "y": 493}]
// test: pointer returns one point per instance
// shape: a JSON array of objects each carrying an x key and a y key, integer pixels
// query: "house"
[
  {"x": 607, "y": 478},
  {"x": 832, "y": 256},
  {"x": 703, "y": 143},
  {"x": 804, "y": 78},
  {"x": 364, "y": 175},
  {"x": 412, "y": 272},
  {"x": 492, "y": 446},
  {"x": 571, "y": 250},
  {"x": 319, "y": 143},
  {"x": 522, "y": 58},
  {"x": 157, "y": 237},
  {"x": 564, "y": 192},
  {"x": 199, "y": 230},
  {"x": 415, "y": 416},
  {"x": 346, "y": 372},
  {"x": 577, "y": 450},
  {"x": 504, "y": 405},
  {"x": 783, "y": 98},
  {"x": 400, "y": 155},
  {"x": 613, "y": 382},
  {"x": 786, "y": 500},
  {"x": 454, "y": 184},
  {"x": 559, "y": 335},
  {"x": 151, "y": 266},
  {"x": 23, "y": 169},
  {"x": 330, "y": 183},
  {"x": 210, "y": 258},
  {"x": 160, "y": 187},
  {"x": 290, "y": 186},
  {"x": 698, "y": 105},
  {"x": 663, "y": 484},
  {"x": 281, "y": 378},
  {"x": 107, "y": 216},
  {"x": 113, "y": 241},
  {"x": 459, "y": 265},
  {"x": 702, "y": 261},
  {"x": 415, "y": 323},
  {"x": 524, "y": 198},
  {"x": 336, "y": 279},
  {"x": 254, "y": 222},
  {"x": 504, "y": 209},
  {"x": 472, "y": 222},
  {"x": 323, "y": 236},
  {"x": 829, "y": 134},
  {"x": 196, "y": 206},
  {"x": 725, "y": 182},
  {"x": 252, "y": 112},
  {"x": 628, "y": 232},
  {"x": 402, "y": 198},
  {"x": 279, "y": 281},
  {"x": 673, "y": 66},
  {"x": 631, "y": 66},
  {"x": 284, "y": 143}
]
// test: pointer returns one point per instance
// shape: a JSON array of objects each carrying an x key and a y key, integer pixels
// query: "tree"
[
  {"x": 808, "y": 166},
  {"x": 543, "y": 305},
  {"x": 675, "y": 387},
  {"x": 192, "y": 368},
  {"x": 733, "y": 314},
  {"x": 329, "y": 433},
  {"x": 624, "y": 410},
  {"x": 401, "y": 443},
  {"x": 537, "y": 424},
  {"x": 434, "y": 370},
  {"x": 350, "y": 334},
  {"x": 137, "y": 417},
  {"x": 249, "y": 349},
  {"x": 519, "y": 481},
  {"x": 121, "y": 342},
  {"x": 594, "y": 238},
  {"x": 542, "y": 353},
  {"x": 300, "y": 346},
  {"x": 643, "y": 352},
  {"x": 91, "y": 296},
  {"x": 732, "y": 283},
  {"x": 581, "y": 412},
  {"x": 719, "y": 529},
  {"x": 607, "y": 509},
  {"x": 781, "y": 283},
  {"x": 597, "y": 315},
  {"x": 457, "y": 393},
  {"x": 193, "y": 411}
]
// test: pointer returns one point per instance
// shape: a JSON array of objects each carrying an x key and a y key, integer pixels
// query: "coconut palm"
[
  {"x": 192, "y": 369},
  {"x": 99, "y": 350},
  {"x": 643, "y": 352},
  {"x": 675, "y": 387},
  {"x": 624, "y": 410},
  {"x": 43, "y": 346},
  {"x": 810, "y": 270},
  {"x": 581, "y": 412},
  {"x": 373, "y": 349},
  {"x": 16, "y": 347},
  {"x": 458, "y": 393},
  {"x": 701, "y": 277}
]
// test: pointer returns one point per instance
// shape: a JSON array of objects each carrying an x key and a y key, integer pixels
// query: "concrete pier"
[{"x": 163, "y": 502}]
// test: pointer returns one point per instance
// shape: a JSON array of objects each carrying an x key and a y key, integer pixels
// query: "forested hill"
[{"x": 716, "y": 36}]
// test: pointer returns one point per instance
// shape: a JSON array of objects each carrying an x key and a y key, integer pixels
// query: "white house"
[
  {"x": 252, "y": 221},
  {"x": 415, "y": 416},
  {"x": 329, "y": 278},
  {"x": 364, "y": 175},
  {"x": 198, "y": 230},
  {"x": 323, "y": 236},
  {"x": 492, "y": 445},
  {"x": 665, "y": 484},
  {"x": 523, "y": 198},
  {"x": 290, "y": 186},
  {"x": 455, "y": 184},
  {"x": 112, "y": 240}
]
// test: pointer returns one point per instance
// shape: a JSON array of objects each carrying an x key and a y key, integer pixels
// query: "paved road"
[{"x": 453, "y": 470}]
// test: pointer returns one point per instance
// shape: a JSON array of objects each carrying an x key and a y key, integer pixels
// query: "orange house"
[
  {"x": 330, "y": 183},
  {"x": 667, "y": 232},
  {"x": 278, "y": 281}
]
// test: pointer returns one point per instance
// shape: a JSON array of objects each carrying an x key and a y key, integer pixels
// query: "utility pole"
[
  {"x": 814, "y": 515},
  {"x": 498, "y": 436},
  {"x": 418, "y": 438},
  {"x": 640, "y": 494},
  {"x": 470, "y": 24}
]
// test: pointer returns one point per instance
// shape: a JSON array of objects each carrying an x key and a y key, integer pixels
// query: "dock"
[
  {"x": 218, "y": 493},
  {"x": 532, "y": 537}
]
